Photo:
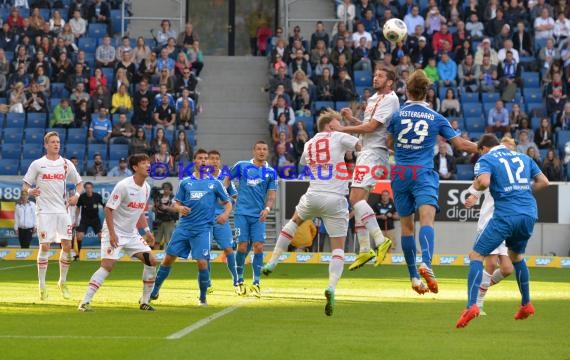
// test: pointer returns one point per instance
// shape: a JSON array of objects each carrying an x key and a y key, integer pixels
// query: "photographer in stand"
[{"x": 165, "y": 216}]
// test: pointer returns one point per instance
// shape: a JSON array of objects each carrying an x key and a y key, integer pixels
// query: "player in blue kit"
[
  {"x": 195, "y": 201},
  {"x": 508, "y": 175},
  {"x": 413, "y": 134},
  {"x": 256, "y": 195},
  {"x": 223, "y": 232}
]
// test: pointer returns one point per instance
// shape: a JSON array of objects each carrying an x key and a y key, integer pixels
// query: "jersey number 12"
[{"x": 517, "y": 178}]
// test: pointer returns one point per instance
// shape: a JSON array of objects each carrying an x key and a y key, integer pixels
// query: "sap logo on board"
[
  {"x": 397, "y": 259},
  {"x": 214, "y": 256},
  {"x": 543, "y": 261},
  {"x": 466, "y": 260},
  {"x": 302, "y": 258},
  {"x": 349, "y": 258},
  {"x": 159, "y": 256},
  {"x": 446, "y": 260},
  {"x": 565, "y": 262},
  {"x": 283, "y": 257},
  {"x": 23, "y": 254},
  {"x": 93, "y": 255},
  {"x": 51, "y": 253},
  {"x": 326, "y": 258},
  {"x": 419, "y": 259},
  {"x": 3, "y": 254}
]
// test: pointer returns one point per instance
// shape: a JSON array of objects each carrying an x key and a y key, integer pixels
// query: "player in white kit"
[
  {"x": 124, "y": 213},
  {"x": 50, "y": 174},
  {"x": 491, "y": 275},
  {"x": 379, "y": 109},
  {"x": 325, "y": 198}
]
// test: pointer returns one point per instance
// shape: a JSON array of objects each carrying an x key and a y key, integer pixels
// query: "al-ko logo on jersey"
[{"x": 342, "y": 171}]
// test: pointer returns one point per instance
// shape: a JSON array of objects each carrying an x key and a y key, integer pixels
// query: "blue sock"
[
  {"x": 231, "y": 262},
  {"x": 203, "y": 282},
  {"x": 523, "y": 279},
  {"x": 427, "y": 236},
  {"x": 240, "y": 261},
  {"x": 474, "y": 281},
  {"x": 409, "y": 248},
  {"x": 161, "y": 275},
  {"x": 209, "y": 273},
  {"x": 257, "y": 264}
]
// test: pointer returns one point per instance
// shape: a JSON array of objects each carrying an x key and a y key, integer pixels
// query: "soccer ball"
[{"x": 395, "y": 30}]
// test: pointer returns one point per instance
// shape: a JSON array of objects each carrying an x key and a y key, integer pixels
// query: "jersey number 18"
[{"x": 320, "y": 152}]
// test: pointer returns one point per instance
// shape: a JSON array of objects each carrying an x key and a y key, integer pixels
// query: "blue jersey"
[
  {"x": 201, "y": 196},
  {"x": 254, "y": 183},
  {"x": 414, "y": 129},
  {"x": 231, "y": 190},
  {"x": 511, "y": 173}
]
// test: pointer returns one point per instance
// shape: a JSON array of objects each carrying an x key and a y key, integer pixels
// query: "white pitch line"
[
  {"x": 205, "y": 321},
  {"x": 110, "y": 337},
  {"x": 16, "y": 267}
]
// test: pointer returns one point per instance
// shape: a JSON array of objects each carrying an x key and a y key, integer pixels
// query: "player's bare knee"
[
  {"x": 515, "y": 257},
  {"x": 108, "y": 264},
  {"x": 202, "y": 264},
  {"x": 474, "y": 255},
  {"x": 357, "y": 194},
  {"x": 242, "y": 246},
  {"x": 228, "y": 250},
  {"x": 257, "y": 247},
  {"x": 44, "y": 247}
]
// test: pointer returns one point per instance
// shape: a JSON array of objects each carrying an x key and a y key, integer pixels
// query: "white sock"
[
  {"x": 364, "y": 213},
  {"x": 497, "y": 277},
  {"x": 42, "y": 262},
  {"x": 485, "y": 283},
  {"x": 94, "y": 284},
  {"x": 283, "y": 241},
  {"x": 336, "y": 267},
  {"x": 148, "y": 277},
  {"x": 64, "y": 263},
  {"x": 363, "y": 236}
]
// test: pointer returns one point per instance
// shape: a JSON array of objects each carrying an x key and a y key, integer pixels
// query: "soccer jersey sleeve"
[
  {"x": 235, "y": 170},
  {"x": 221, "y": 192},
  {"x": 118, "y": 194},
  {"x": 232, "y": 191},
  {"x": 384, "y": 111},
  {"x": 348, "y": 141},
  {"x": 534, "y": 169},
  {"x": 72, "y": 174},
  {"x": 483, "y": 166},
  {"x": 32, "y": 173},
  {"x": 272, "y": 185},
  {"x": 181, "y": 193},
  {"x": 445, "y": 129}
]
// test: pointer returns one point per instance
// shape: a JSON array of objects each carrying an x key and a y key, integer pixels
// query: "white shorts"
[
  {"x": 501, "y": 250},
  {"x": 54, "y": 228},
  {"x": 367, "y": 170},
  {"x": 331, "y": 208},
  {"x": 131, "y": 244}
]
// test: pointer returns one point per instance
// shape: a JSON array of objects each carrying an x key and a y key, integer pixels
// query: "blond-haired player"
[
  {"x": 325, "y": 198},
  {"x": 374, "y": 152},
  {"x": 50, "y": 174}
]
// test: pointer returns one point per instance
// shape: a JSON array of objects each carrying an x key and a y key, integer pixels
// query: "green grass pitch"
[{"x": 377, "y": 316}]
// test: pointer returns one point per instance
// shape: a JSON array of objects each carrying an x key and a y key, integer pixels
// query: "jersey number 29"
[{"x": 420, "y": 129}]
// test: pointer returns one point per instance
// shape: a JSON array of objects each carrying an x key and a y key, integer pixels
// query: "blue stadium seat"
[
  {"x": 535, "y": 109},
  {"x": 542, "y": 153},
  {"x": 34, "y": 136},
  {"x": 472, "y": 110},
  {"x": 465, "y": 172},
  {"x": 92, "y": 149},
  {"x": 309, "y": 123},
  {"x": 53, "y": 102},
  {"x": 110, "y": 75},
  {"x": 9, "y": 166},
  {"x": 563, "y": 136},
  {"x": 567, "y": 172},
  {"x": 487, "y": 106},
  {"x": 533, "y": 95},
  {"x": 15, "y": 120},
  {"x": 323, "y": 104},
  {"x": 9, "y": 55},
  {"x": 96, "y": 30},
  {"x": 77, "y": 150},
  {"x": 3, "y": 100},
  {"x": 362, "y": 78},
  {"x": 36, "y": 120},
  {"x": 475, "y": 123},
  {"x": 169, "y": 135},
  {"x": 191, "y": 135},
  {"x": 87, "y": 44},
  {"x": 487, "y": 97},
  {"x": 518, "y": 97},
  {"x": 11, "y": 151},
  {"x": 13, "y": 135},
  {"x": 32, "y": 151},
  {"x": 76, "y": 136},
  {"x": 469, "y": 97},
  {"x": 360, "y": 91},
  {"x": 116, "y": 21},
  {"x": 61, "y": 131},
  {"x": 45, "y": 13},
  {"x": 117, "y": 151},
  {"x": 148, "y": 133},
  {"x": 531, "y": 80},
  {"x": 475, "y": 135},
  {"x": 442, "y": 90},
  {"x": 341, "y": 104},
  {"x": 111, "y": 164},
  {"x": 25, "y": 164},
  {"x": 58, "y": 90}
]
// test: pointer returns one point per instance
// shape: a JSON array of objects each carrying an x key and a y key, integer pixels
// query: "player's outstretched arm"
[
  {"x": 143, "y": 223},
  {"x": 365, "y": 128},
  {"x": 111, "y": 226},
  {"x": 540, "y": 182},
  {"x": 462, "y": 144},
  {"x": 482, "y": 182},
  {"x": 223, "y": 217},
  {"x": 181, "y": 209},
  {"x": 390, "y": 141}
]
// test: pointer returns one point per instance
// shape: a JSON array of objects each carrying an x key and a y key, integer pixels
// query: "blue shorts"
[
  {"x": 410, "y": 193},
  {"x": 223, "y": 235},
  {"x": 184, "y": 241},
  {"x": 249, "y": 228},
  {"x": 515, "y": 230}
]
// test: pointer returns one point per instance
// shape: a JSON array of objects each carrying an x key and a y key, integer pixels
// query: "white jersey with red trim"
[
  {"x": 324, "y": 154},
  {"x": 51, "y": 177},
  {"x": 128, "y": 201},
  {"x": 380, "y": 107}
]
